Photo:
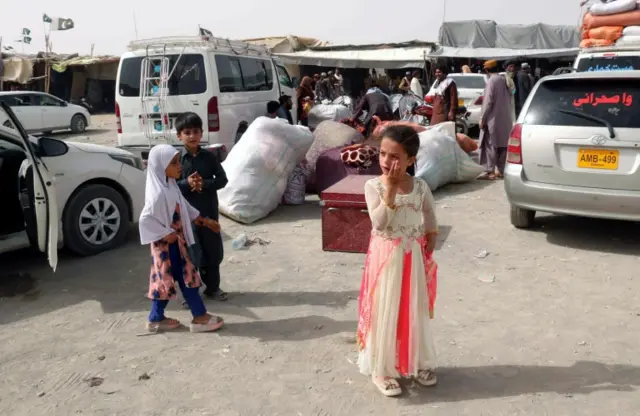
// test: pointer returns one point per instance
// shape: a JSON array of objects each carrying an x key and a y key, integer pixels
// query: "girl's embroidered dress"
[{"x": 398, "y": 289}]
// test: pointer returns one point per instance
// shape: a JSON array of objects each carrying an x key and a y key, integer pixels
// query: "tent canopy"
[
  {"x": 501, "y": 53},
  {"x": 389, "y": 55}
]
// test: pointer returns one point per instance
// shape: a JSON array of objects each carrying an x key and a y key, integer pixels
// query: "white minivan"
[{"x": 228, "y": 83}]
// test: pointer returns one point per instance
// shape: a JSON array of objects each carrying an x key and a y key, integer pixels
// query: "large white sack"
[
  {"x": 440, "y": 159},
  {"x": 259, "y": 166},
  {"x": 323, "y": 112},
  {"x": 614, "y": 7},
  {"x": 631, "y": 31},
  {"x": 329, "y": 135},
  {"x": 628, "y": 40}
]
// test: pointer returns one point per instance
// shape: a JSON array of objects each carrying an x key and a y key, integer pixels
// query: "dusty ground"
[{"x": 546, "y": 324}]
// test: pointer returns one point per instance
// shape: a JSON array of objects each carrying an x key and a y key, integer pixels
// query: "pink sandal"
[
  {"x": 168, "y": 324},
  {"x": 214, "y": 323}
]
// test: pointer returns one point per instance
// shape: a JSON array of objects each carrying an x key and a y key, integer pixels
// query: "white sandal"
[
  {"x": 388, "y": 386},
  {"x": 214, "y": 323},
  {"x": 427, "y": 378}
]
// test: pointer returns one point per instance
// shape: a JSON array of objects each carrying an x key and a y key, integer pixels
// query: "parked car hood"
[{"x": 98, "y": 148}]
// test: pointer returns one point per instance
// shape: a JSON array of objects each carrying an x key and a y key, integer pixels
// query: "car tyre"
[
  {"x": 73, "y": 237},
  {"x": 522, "y": 218},
  {"x": 78, "y": 124}
]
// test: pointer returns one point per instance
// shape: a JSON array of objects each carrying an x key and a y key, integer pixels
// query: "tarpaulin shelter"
[
  {"x": 485, "y": 39},
  {"x": 411, "y": 54}
]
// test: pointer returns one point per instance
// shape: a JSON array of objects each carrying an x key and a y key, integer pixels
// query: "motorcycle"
[
  {"x": 84, "y": 103},
  {"x": 413, "y": 108}
]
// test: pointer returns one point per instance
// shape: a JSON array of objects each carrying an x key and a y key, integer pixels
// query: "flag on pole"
[
  {"x": 205, "y": 32},
  {"x": 26, "y": 32},
  {"x": 26, "y": 39},
  {"x": 46, "y": 18},
  {"x": 61, "y": 23}
]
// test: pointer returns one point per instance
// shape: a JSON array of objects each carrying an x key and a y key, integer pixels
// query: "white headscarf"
[{"x": 160, "y": 198}]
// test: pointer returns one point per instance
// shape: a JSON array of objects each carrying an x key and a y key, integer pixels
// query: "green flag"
[
  {"x": 46, "y": 18},
  {"x": 25, "y": 31},
  {"x": 61, "y": 23}
]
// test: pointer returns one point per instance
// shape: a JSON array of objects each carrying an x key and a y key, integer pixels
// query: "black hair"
[
  {"x": 416, "y": 74},
  {"x": 443, "y": 68},
  {"x": 188, "y": 120},
  {"x": 272, "y": 107},
  {"x": 283, "y": 99},
  {"x": 405, "y": 136}
]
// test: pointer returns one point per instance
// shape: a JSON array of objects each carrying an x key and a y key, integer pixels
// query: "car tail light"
[
  {"x": 118, "y": 119},
  {"x": 213, "y": 117},
  {"x": 514, "y": 147},
  {"x": 479, "y": 101}
]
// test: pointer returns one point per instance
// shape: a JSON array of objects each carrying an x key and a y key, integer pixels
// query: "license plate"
[
  {"x": 598, "y": 159},
  {"x": 460, "y": 103}
]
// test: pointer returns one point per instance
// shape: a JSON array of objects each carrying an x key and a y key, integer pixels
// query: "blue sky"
[{"x": 346, "y": 21}]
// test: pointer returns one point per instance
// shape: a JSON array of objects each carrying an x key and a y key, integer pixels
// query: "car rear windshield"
[
  {"x": 469, "y": 81},
  {"x": 608, "y": 63},
  {"x": 614, "y": 100},
  {"x": 188, "y": 77}
]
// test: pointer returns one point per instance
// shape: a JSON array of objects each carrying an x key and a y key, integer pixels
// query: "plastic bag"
[
  {"x": 614, "y": 7},
  {"x": 629, "y": 40},
  {"x": 631, "y": 31},
  {"x": 296, "y": 187},
  {"x": 631, "y": 18},
  {"x": 324, "y": 112},
  {"x": 441, "y": 160},
  {"x": 259, "y": 166}
]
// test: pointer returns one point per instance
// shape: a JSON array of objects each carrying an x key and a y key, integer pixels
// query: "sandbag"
[
  {"x": 611, "y": 33},
  {"x": 631, "y": 18},
  {"x": 259, "y": 166},
  {"x": 590, "y": 43},
  {"x": 328, "y": 135},
  {"x": 324, "y": 112},
  {"x": 628, "y": 40},
  {"x": 631, "y": 31},
  {"x": 614, "y": 7},
  {"x": 296, "y": 187},
  {"x": 441, "y": 160}
]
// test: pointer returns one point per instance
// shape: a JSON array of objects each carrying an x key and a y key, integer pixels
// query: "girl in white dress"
[{"x": 399, "y": 281}]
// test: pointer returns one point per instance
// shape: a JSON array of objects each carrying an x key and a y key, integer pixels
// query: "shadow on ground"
[
  {"x": 456, "y": 384},
  {"x": 619, "y": 237}
]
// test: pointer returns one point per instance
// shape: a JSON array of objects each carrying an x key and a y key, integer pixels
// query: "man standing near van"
[{"x": 284, "y": 111}]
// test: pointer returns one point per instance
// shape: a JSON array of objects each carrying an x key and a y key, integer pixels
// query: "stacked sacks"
[{"x": 613, "y": 22}]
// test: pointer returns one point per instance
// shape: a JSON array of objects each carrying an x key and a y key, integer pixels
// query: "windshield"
[
  {"x": 469, "y": 81},
  {"x": 616, "y": 101},
  {"x": 611, "y": 63}
]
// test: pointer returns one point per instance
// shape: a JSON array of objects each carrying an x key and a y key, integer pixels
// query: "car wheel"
[
  {"x": 78, "y": 124},
  {"x": 96, "y": 219},
  {"x": 522, "y": 218}
]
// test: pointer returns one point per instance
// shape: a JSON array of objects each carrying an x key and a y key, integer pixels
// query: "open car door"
[{"x": 46, "y": 208}]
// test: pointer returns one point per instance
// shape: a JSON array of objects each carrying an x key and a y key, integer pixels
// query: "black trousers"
[{"x": 207, "y": 255}]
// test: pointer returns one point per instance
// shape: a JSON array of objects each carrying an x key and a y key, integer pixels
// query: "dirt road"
[{"x": 545, "y": 322}]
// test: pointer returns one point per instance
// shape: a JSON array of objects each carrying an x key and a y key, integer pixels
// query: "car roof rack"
[
  {"x": 208, "y": 42},
  {"x": 564, "y": 70}
]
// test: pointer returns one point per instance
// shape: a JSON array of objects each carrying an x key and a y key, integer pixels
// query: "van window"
[
  {"x": 283, "y": 76},
  {"x": 237, "y": 74},
  {"x": 614, "y": 100},
  {"x": 189, "y": 76},
  {"x": 613, "y": 63}
]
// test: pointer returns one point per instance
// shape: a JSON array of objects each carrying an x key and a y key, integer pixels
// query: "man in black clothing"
[{"x": 202, "y": 177}]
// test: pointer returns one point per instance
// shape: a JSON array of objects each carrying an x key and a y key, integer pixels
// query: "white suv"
[{"x": 53, "y": 192}]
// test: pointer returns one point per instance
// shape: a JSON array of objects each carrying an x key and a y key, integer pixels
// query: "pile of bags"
[
  {"x": 609, "y": 22},
  {"x": 325, "y": 112},
  {"x": 260, "y": 166}
]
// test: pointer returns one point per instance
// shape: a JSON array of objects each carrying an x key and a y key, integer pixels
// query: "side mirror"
[
  {"x": 64, "y": 103},
  {"x": 51, "y": 147}
]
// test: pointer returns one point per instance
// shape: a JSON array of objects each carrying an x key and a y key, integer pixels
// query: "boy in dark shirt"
[{"x": 202, "y": 176}]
